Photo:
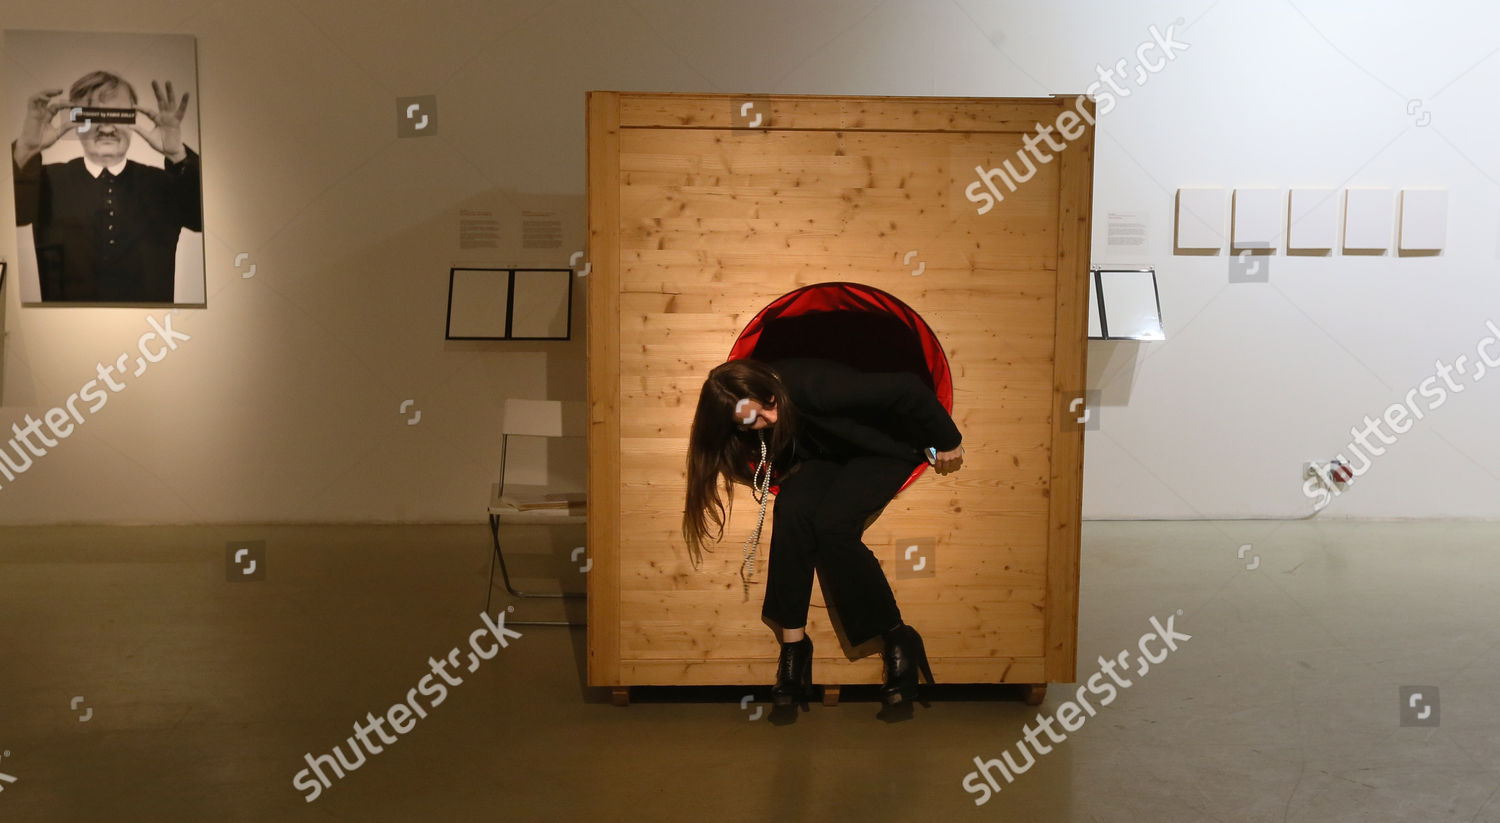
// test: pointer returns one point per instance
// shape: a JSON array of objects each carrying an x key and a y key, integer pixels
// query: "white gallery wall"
[{"x": 287, "y": 403}]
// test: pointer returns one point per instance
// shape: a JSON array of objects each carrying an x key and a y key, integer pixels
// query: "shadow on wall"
[{"x": 1112, "y": 366}]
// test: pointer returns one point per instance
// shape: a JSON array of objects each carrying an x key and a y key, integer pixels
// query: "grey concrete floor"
[{"x": 202, "y": 696}]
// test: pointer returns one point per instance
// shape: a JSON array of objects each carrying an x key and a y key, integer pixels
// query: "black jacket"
[
  {"x": 843, "y": 412},
  {"x": 108, "y": 239}
]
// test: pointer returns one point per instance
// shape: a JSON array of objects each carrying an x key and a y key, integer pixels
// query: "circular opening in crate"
[{"x": 860, "y": 326}]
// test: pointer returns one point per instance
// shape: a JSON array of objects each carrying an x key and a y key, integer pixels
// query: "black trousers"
[{"x": 817, "y": 523}]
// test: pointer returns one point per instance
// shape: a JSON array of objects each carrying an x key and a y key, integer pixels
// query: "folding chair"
[{"x": 540, "y": 502}]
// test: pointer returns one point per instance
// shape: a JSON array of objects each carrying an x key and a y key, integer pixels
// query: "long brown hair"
[{"x": 717, "y": 446}]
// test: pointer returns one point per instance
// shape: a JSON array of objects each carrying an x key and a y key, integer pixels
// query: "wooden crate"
[{"x": 698, "y": 220}]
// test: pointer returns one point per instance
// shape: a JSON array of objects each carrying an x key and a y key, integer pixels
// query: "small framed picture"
[
  {"x": 1124, "y": 305},
  {"x": 510, "y": 304}
]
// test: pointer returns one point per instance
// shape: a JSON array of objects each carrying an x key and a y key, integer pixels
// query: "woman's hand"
[{"x": 949, "y": 462}]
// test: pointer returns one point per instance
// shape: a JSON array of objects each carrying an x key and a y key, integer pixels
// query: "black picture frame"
[
  {"x": 1096, "y": 283},
  {"x": 510, "y": 275}
]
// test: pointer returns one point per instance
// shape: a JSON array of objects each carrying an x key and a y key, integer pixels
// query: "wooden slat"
[
  {"x": 1074, "y": 237},
  {"x": 691, "y": 625},
  {"x": 603, "y": 376},
  {"x": 1014, "y": 330},
  {"x": 761, "y": 671},
  {"x": 733, "y": 298},
  {"x": 802, "y": 195},
  {"x": 937, "y": 114},
  {"x": 667, "y": 403},
  {"x": 654, "y": 529}
]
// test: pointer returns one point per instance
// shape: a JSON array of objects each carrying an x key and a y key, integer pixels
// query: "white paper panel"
[
  {"x": 1258, "y": 218},
  {"x": 1367, "y": 219},
  {"x": 1424, "y": 219},
  {"x": 541, "y": 304},
  {"x": 1200, "y": 218},
  {"x": 1314, "y": 218},
  {"x": 478, "y": 303}
]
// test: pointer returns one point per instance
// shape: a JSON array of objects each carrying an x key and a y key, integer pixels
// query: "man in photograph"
[{"x": 106, "y": 228}]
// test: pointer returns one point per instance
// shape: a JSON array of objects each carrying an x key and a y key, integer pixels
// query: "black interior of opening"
[{"x": 867, "y": 341}]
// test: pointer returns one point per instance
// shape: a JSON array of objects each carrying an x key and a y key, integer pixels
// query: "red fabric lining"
[{"x": 854, "y": 297}]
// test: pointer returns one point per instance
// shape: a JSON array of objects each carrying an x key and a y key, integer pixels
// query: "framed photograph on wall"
[
  {"x": 510, "y": 304},
  {"x": 1127, "y": 304},
  {"x": 104, "y": 144}
]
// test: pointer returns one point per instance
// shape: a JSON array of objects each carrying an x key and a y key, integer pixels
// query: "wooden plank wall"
[{"x": 695, "y": 225}]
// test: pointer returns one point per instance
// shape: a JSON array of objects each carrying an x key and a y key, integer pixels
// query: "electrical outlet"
[
  {"x": 1334, "y": 473},
  {"x": 1339, "y": 472}
]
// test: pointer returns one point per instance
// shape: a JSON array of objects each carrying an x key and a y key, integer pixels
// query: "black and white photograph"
[{"x": 107, "y": 169}]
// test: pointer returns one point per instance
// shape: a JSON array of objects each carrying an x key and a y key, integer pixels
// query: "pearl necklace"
[{"x": 760, "y": 488}]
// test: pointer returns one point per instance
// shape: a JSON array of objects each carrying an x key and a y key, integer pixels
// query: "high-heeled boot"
[
  {"x": 794, "y": 673},
  {"x": 904, "y": 654}
]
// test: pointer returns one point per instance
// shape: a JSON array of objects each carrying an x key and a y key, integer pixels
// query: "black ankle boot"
[
  {"x": 794, "y": 673},
  {"x": 904, "y": 653}
]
